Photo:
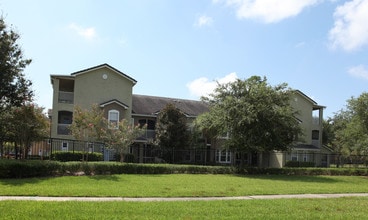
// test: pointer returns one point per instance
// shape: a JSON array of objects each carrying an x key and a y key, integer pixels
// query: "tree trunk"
[{"x": 121, "y": 157}]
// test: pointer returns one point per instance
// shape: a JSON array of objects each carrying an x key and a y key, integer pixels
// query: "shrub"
[
  {"x": 299, "y": 164},
  {"x": 23, "y": 169},
  {"x": 33, "y": 168},
  {"x": 75, "y": 156}
]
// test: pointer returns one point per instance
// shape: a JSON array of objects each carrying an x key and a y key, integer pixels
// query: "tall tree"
[
  {"x": 27, "y": 124},
  {"x": 350, "y": 127},
  {"x": 257, "y": 116},
  {"x": 15, "y": 89},
  {"x": 171, "y": 129}
]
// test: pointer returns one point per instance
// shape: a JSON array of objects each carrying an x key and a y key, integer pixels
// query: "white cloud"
[
  {"x": 86, "y": 33},
  {"x": 359, "y": 71},
  {"x": 350, "y": 30},
  {"x": 270, "y": 11},
  {"x": 203, "y": 86},
  {"x": 203, "y": 21}
]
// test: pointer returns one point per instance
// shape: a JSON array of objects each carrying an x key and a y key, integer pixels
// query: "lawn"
[
  {"x": 177, "y": 185},
  {"x": 342, "y": 208},
  {"x": 182, "y": 185}
]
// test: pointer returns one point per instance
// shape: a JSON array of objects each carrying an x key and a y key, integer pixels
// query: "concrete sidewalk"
[{"x": 162, "y": 199}]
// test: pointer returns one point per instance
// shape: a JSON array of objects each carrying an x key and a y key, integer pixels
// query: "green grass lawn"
[
  {"x": 178, "y": 185},
  {"x": 181, "y": 185},
  {"x": 342, "y": 208}
]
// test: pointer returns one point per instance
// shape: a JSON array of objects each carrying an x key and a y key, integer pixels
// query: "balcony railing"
[
  {"x": 63, "y": 129},
  {"x": 66, "y": 97},
  {"x": 149, "y": 134}
]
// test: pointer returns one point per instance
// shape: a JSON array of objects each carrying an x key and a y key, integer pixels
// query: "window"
[
  {"x": 315, "y": 135},
  {"x": 223, "y": 156},
  {"x": 113, "y": 119},
  {"x": 64, "y": 146}
]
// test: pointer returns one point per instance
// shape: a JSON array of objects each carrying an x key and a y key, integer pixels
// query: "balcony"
[
  {"x": 66, "y": 97},
  {"x": 149, "y": 134}
]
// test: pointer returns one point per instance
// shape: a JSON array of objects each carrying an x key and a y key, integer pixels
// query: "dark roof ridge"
[{"x": 170, "y": 98}]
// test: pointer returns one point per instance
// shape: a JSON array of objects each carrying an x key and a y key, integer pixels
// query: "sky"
[{"x": 181, "y": 48}]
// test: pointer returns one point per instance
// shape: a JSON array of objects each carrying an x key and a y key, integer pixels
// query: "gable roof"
[
  {"x": 114, "y": 101},
  {"x": 315, "y": 105},
  {"x": 151, "y": 105},
  {"x": 105, "y": 65}
]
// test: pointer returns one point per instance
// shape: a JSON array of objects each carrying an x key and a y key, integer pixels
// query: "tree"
[
  {"x": 27, "y": 124},
  {"x": 123, "y": 136},
  {"x": 350, "y": 128},
  {"x": 88, "y": 126},
  {"x": 257, "y": 116},
  {"x": 171, "y": 129},
  {"x": 14, "y": 87},
  {"x": 91, "y": 125}
]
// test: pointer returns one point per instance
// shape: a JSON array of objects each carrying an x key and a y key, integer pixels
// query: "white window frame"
[
  {"x": 223, "y": 153},
  {"x": 113, "y": 111}
]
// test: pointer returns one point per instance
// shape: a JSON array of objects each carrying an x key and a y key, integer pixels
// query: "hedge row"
[
  {"x": 299, "y": 164},
  {"x": 25, "y": 169},
  {"x": 76, "y": 156}
]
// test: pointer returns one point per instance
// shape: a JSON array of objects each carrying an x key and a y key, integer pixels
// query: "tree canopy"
[
  {"x": 349, "y": 127},
  {"x": 91, "y": 125},
  {"x": 171, "y": 128},
  {"x": 257, "y": 116},
  {"x": 22, "y": 126},
  {"x": 15, "y": 89}
]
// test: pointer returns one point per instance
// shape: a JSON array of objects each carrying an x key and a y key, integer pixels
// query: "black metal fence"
[{"x": 144, "y": 153}]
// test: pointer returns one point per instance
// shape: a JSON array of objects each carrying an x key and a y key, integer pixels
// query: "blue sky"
[{"x": 179, "y": 48}]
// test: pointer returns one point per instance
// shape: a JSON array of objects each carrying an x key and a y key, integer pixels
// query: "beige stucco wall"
[
  {"x": 305, "y": 109},
  {"x": 91, "y": 88}
]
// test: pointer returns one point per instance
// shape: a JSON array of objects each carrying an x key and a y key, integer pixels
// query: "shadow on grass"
[
  {"x": 36, "y": 180},
  {"x": 286, "y": 178},
  {"x": 23, "y": 181}
]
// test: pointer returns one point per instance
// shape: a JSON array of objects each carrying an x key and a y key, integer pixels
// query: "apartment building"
[{"x": 112, "y": 90}]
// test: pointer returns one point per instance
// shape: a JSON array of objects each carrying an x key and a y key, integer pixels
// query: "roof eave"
[{"x": 106, "y": 66}]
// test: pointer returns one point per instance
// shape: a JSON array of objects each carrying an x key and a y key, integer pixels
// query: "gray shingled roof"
[{"x": 151, "y": 105}]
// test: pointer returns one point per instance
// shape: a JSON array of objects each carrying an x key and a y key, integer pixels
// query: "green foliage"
[
  {"x": 21, "y": 126},
  {"x": 349, "y": 127},
  {"x": 123, "y": 136},
  {"x": 171, "y": 128},
  {"x": 88, "y": 125},
  {"x": 128, "y": 158},
  {"x": 91, "y": 125},
  {"x": 25, "y": 169},
  {"x": 257, "y": 116},
  {"x": 299, "y": 164},
  {"x": 75, "y": 156},
  {"x": 15, "y": 89}
]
